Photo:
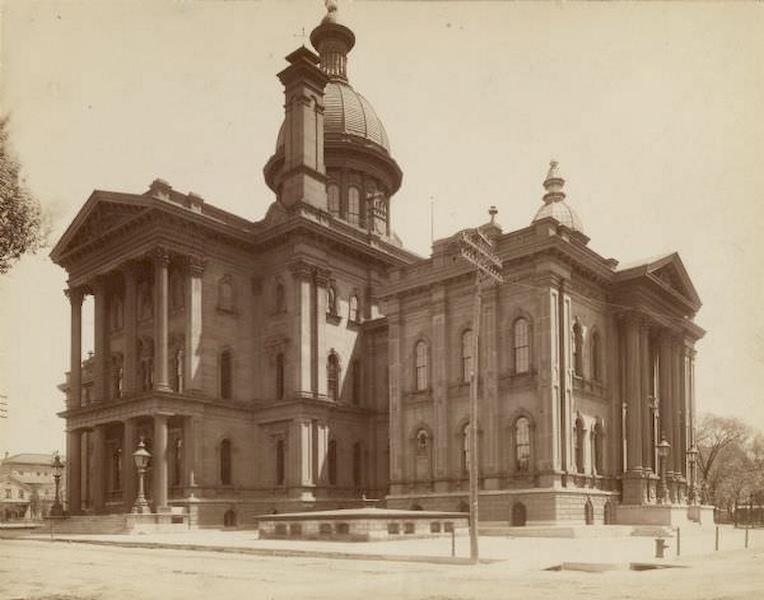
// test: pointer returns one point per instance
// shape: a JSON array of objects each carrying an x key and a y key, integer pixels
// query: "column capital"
[
  {"x": 301, "y": 269},
  {"x": 161, "y": 256},
  {"x": 196, "y": 265},
  {"x": 75, "y": 294}
]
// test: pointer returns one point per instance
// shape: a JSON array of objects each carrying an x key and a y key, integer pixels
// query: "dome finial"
[
  {"x": 554, "y": 183},
  {"x": 331, "y": 11},
  {"x": 493, "y": 211}
]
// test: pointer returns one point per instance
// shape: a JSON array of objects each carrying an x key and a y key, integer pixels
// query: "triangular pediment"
[
  {"x": 669, "y": 273},
  {"x": 102, "y": 214}
]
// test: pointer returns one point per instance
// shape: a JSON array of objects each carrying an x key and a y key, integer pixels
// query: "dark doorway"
[
  {"x": 589, "y": 512},
  {"x": 609, "y": 513},
  {"x": 518, "y": 515},
  {"x": 229, "y": 518}
]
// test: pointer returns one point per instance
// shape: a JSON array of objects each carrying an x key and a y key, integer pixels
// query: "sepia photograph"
[{"x": 433, "y": 300}]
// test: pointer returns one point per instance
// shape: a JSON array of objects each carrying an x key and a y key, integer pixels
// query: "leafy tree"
[{"x": 21, "y": 218}]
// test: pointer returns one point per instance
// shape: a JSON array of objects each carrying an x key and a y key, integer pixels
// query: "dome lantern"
[
  {"x": 333, "y": 41},
  {"x": 555, "y": 206}
]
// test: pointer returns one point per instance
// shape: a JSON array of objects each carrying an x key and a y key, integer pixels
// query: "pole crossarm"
[{"x": 477, "y": 250}]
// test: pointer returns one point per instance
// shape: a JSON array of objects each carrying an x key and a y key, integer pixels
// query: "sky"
[{"x": 652, "y": 109}]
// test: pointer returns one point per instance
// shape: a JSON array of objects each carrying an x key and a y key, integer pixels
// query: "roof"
[{"x": 29, "y": 459}]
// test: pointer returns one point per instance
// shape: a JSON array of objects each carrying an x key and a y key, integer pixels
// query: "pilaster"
[
  {"x": 193, "y": 350},
  {"x": 438, "y": 383},
  {"x": 131, "y": 335},
  {"x": 129, "y": 475}
]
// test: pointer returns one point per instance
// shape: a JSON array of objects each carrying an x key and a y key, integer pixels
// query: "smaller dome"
[
  {"x": 554, "y": 205},
  {"x": 562, "y": 213}
]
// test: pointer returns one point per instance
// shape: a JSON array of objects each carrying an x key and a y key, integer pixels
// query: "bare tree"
[
  {"x": 721, "y": 455},
  {"x": 21, "y": 218}
]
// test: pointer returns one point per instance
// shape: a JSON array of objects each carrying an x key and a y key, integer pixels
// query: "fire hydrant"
[{"x": 660, "y": 547}]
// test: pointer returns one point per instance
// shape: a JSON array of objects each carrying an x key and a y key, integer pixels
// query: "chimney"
[{"x": 304, "y": 176}]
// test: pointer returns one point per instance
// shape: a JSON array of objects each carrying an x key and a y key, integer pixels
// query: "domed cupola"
[
  {"x": 555, "y": 206},
  {"x": 357, "y": 157}
]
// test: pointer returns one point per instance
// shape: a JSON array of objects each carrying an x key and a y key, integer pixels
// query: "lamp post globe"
[
  {"x": 57, "y": 510},
  {"x": 692, "y": 457},
  {"x": 664, "y": 448},
  {"x": 141, "y": 457}
]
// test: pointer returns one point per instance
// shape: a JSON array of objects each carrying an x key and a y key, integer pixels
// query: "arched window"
[
  {"x": 225, "y": 462},
  {"x": 579, "y": 445},
  {"x": 116, "y": 313},
  {"x": 522, "y": 445},
  {"x": 226, "y": 374},
  {"x": 333, "y": 377},
  {"x": 226, "y": 293},
  {"x": 421, "y": 367},
  {"x": 467, "y": 351},
  {"x": 279, "y": 298},
  {"x": 596, "y": 441},
  {"x": 354, "y": 205},
  {"x": 353, "y": 315},
  {"x": 333, "y": 198},
  {"x": 578, "y": 349},
  {"x": 380, "y": 214},
  {"x": 422, "y": 441},
  {"x": 331, "y": 300},
  {"x": 177, "y": 461},
  {"x": 280, "y": 375},
  {"x": 332, "y": 460},
  {"x": 357, "y": 465},
  {"x": 117, "y": 376},
  {"x": 596, "y": 357},
  {"x": 521, "y": 346},
  {"x": 145, "y": 301},
  {"x": 280, "y": 463},
  {"x": 146, "y": 363},
  {"x": 177, "y": 368},
  {"x": 466, "y": 454}
]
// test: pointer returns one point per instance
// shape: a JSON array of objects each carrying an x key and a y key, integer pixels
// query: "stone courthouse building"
[{"x": 308, "y": 359}]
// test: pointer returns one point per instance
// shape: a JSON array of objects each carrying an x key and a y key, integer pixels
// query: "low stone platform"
[
  {"x": 361, "y": 524},
  {"x": 116, "y": 523}
]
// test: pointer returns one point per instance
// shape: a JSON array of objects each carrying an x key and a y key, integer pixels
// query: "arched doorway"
[
  {"x": 229, "y": 518},
  {"x": 518, "y": 517},
  {"x": 589, "y": 512}
]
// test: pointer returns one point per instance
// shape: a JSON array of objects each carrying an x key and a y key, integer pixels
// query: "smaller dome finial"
[
  {"x": 493, "y": 211},
  {"x": 554, "y": 183}
]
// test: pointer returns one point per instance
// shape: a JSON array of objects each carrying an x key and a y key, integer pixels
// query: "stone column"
[
  {"x": 397, "y": 435},
  {"x": 439, "y": 385},
  {"x": 320, "y": 345},
  {"x": 131, "y": 331},
  {"x": 301, "y": 431},
  {"x": 193, "y": 353},
  {"x": 301, "y": 326},
  {"x": 159, "y": 464},
  {"x": 677, "y": 452},
  {"x": 321, "y": 444},
  {"x": 648, "y": 451},
  {"x": 101, "y": 346},
  {"x": 99, "y": 469},
  {"x": 161, "y": 326},
  {"x": 129, "y": 474},
  {"x": 74, "y": 471},
  {"x": 566, "y": 368},
  {"x": 633, "y": 396},
  {"x": 75, "y": 296},
  {"x": 666, "y": 392}
]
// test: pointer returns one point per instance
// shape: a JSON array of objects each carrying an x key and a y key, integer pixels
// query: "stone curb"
[{"x": 271, "y": 552}]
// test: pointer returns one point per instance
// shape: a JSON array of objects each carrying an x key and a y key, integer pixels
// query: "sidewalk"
[{"x": 521, "y": 553}]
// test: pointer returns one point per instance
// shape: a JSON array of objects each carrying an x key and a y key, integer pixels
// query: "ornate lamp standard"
[
  {"x": 141, "y": 457},
  {"x": 663, "y": 451},
  {"x": 57, "y": 510},
  {"x": 692, "y": 456}
]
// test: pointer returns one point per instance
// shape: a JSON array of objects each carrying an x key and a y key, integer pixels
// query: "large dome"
[
  {"x": 562, "y": 213},
  {"x": 347, "y": 113}
]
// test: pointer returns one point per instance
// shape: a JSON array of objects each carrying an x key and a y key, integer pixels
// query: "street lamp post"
[
  {"x": 692, "y": 456},
  {"x": 57, "y": 510},
  {"x": 663, "y": 451},
  {"x": 141, "y": 457},
  {"x": 477, "y": 249}
]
